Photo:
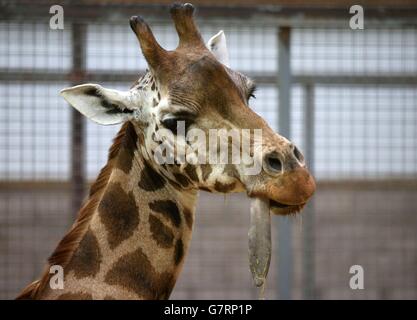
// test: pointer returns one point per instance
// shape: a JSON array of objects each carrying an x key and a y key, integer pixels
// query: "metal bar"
[
  {"x": 308, "y": 214},
  {"x": 264, "y": 78},
  {"x": 405, "y": 183},
  {"x": 59, "y": 75},
  {"x": 292, "y": 15},
  {"x": 78, "y": 176},
  {"x": 357, "y": 80},
  {"x": 285, "y": 259}
]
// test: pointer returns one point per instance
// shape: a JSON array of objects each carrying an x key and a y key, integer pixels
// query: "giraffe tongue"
[{"x": 259, "y": 242}]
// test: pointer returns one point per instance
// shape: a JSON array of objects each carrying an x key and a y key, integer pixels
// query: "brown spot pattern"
[
  {"x": 87, "y": 258},
  {"x": 191, "y": 172},
  {"x": 167, "y": 208},
  {"x": 231, "y": 171},
  {"x": 134, "y": 271},
  {"x": 127, "y": 151},
  {"x": 223, "y": 187},
  {"x": 206, "y": 170},
  {"x": 175, "y": 184},
  {"x": 119, "y": 214},
  {"x": 188, "y": 214},
  {"x": 75, "y": 296},
  {"x": 150, "y": 180},
  {"x": 182, "y": 179},
  {"x": 178, "y": 252},
  {"x": 160, "y": 232}
]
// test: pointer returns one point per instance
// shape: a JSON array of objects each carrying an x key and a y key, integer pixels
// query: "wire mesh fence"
[{"x": 364, "y": 142}]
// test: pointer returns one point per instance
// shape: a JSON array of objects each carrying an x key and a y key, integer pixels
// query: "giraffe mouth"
[{"x": 279, "y": 208}]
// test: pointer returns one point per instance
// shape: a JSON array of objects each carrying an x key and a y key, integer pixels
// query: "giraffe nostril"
[
  {"x": 298, "y": 155},
  {"x": 273, "y": 163}
]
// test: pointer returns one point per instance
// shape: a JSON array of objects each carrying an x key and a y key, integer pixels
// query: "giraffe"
[{"x": 133, "y": 231}]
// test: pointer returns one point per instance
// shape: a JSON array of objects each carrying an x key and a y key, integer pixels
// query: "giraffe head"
[{"x": 186, "y": 106}]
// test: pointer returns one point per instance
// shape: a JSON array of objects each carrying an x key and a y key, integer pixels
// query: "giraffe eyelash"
[{"x": 252, "y": 91}]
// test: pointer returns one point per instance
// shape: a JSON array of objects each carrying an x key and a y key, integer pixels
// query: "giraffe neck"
[{"x": 135, "y": 242}]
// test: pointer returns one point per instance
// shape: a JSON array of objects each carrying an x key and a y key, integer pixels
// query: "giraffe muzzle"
[{"x": 289, "y": 192}]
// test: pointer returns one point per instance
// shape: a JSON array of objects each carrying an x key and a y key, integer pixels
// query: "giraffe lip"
[
  {"x": 276, "y": 204},
  {"x": 284, "y": 209},
  {"x": 279, "y": 207}
]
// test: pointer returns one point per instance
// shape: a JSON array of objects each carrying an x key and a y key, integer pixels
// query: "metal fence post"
[
  {"x": 308, "y": 214},
  {"x": 285, "y": 259},
  {"x": 78, "y": 180}
]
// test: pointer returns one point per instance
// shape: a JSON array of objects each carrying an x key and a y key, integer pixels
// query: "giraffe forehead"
[
  {"x": 204, "y": 83},
  {"x": 198, "y": 83}
]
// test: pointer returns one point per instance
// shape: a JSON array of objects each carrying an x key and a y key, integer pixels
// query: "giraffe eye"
[
  {"x": 170, "y": 124},
  {"x": 251, "y": 93},
  {"x": 175, "y": 124}
]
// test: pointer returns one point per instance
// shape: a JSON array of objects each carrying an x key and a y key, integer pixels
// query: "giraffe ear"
[
  {"x": 104, "y": 106},
  {"x": 217, "y": 45}
]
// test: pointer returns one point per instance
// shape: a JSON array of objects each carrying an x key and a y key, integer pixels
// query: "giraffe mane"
[{"x": 67, "y": 246}]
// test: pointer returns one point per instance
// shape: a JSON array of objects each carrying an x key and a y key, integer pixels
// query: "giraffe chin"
[{"x": 278, "y": 208}]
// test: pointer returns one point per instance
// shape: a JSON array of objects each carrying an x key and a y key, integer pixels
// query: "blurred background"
[{"x": 347, "y": 97}]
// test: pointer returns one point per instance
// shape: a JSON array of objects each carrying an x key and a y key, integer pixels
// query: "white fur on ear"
[
  {"x": 217, "y": 45},
  {"x": 104, "y": 106}
]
